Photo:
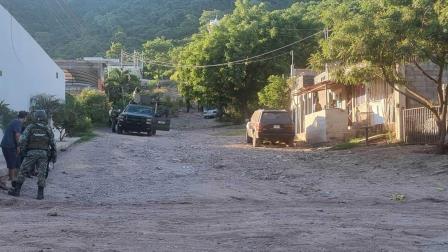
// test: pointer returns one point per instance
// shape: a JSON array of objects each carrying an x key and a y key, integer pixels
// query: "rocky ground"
[{"x": 200, "y": 188}]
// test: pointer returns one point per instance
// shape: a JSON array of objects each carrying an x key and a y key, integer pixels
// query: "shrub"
[
  {"x": 95, "y": 105},
  {"x": 82, "y": 125},
  {"x": 70, "y": 119}
]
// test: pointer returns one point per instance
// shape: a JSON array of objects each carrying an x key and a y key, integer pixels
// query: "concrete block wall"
[
  {"x": 337, "y": 124},
  {"x": 422, "y": 83},
  {"x": 324, "y": 76}
]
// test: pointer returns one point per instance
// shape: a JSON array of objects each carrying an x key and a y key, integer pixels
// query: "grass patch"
[
  {"x": 231, "y": 132},
  {"x": 352, "y": 143},
  {"x": 85, "y": 137},
  {"x": 398, "y": 197}
]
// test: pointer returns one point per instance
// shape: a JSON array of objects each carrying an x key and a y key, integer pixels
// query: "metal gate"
[{"x": 420, "y": 126}]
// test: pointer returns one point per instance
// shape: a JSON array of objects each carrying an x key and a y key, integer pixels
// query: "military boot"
[
  {"x": 40, "y": 193},
  {"x": 15, "y": 190}
]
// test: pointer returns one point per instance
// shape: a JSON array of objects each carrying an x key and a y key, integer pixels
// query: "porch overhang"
[{"x": 316, "y": 87}]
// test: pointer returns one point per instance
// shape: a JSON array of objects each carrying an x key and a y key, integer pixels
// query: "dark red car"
[{"x": 270, "y": 125}]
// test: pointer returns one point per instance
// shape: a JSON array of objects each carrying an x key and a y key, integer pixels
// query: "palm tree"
[{"x": 119, "y": 86}]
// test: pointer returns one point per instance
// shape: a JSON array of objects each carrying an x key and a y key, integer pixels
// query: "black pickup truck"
[{"x": 140, "y": 118}]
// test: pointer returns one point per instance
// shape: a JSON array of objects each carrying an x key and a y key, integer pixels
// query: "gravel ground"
[{"x": 200, "y": 188}]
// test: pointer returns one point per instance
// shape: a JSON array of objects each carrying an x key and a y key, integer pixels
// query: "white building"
[{"x": 25, "y": 68}]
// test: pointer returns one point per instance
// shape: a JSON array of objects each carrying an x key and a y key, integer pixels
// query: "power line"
[
  {"x": 241, "y": 61},
  {"x": 76, "y": 19},
  {"x": 71, "y": 24},
  {"x": 238, "y": 63},
  {"x": 65, "y": 26},
  {"x": 302, "y": 29}
]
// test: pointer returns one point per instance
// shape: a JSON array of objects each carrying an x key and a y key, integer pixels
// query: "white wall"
[
  {"x": 26, "y": 68},
  {"x": 316, "y": 127},
  {"x": 327, "y": 125}
]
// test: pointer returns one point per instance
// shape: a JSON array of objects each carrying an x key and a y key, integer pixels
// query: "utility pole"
[
  {"x": 326, "y": 35},
  {"x": 121, "y": 59},
  {"x": 292, "y": 63},
  {"x": 326, "y": 72},
  {"x": 135, "y": 59}
]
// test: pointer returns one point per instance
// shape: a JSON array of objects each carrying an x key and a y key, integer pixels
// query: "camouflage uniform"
[
  {"x": 37, "y": 141},
  {"x": 37, "y": 146}
]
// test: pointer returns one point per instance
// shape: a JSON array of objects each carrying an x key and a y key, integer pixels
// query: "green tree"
[
  {"x": 119, "y": 36},
  {"x": 114, "y": 51},
  {"x": 208, "y": 16},
  {"x": 275, "y": 95},
  {"x": 157, "y": 55},
  {"x": 95, "y": 105},
  {"x": 70, "y": 119},
  {"x": 119, "y": 87},
  {"x": 249, "y": 30},
  {"x": 369, "y": 39}
]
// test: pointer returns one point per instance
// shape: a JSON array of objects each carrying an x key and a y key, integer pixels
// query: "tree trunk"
[
  {"x": 442, "y": 134},
  {"x": 244, "y": 110},
  {"x": 187, "y": 102}
]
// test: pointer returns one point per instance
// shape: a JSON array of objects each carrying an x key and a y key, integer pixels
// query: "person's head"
[
  {"x": 40, "y": 116},
  {"x": 22, "y": 116}
]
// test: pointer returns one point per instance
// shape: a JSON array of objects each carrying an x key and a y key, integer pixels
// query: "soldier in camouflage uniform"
[{"x": 37, "y": 144}]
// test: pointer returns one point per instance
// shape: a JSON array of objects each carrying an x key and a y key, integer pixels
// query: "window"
[
  {"x": 57, "y": 75},
  {"x": 139, "y": 110},
  {"x": 275, "y": 117}
]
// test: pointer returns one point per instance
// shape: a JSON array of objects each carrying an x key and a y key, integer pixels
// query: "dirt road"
[{"x": 199, "y": 188}]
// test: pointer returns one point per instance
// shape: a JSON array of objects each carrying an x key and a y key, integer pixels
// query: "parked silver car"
[{"x": 211, "y": 113}]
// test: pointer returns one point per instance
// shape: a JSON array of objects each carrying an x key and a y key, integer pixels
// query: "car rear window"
[{"x": 275, "y": 118}]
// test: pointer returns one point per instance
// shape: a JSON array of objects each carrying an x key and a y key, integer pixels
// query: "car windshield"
[
  {"x": 139, "y": 110},
  {"x": 275, "y": 118}
]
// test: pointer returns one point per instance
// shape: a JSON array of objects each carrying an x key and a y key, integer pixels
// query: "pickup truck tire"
[
  {"x": 119, "y": 130},
  {"x": 114, "y": 127},
  {"x": 149, "y": 132}
]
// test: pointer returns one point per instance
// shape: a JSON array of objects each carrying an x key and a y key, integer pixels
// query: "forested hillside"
[{"x": 77, "y": 28}]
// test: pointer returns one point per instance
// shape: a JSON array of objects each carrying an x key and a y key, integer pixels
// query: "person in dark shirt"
[{"x": 9, "y": 144}]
